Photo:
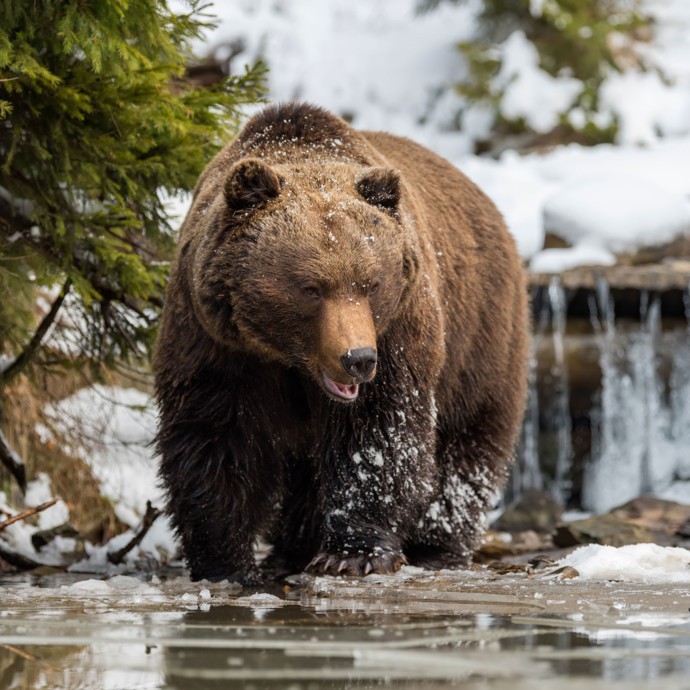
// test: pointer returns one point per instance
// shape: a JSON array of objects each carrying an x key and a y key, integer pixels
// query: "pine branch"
[{"x": 15, "y": 367}]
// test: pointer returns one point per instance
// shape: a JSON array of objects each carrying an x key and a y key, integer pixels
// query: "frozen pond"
[{"x": 470, "y": 629}]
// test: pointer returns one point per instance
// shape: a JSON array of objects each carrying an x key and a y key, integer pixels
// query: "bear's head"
[{"x": 306, "y": 265}]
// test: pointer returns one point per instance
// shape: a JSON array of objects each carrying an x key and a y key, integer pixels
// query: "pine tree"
[{"x": 97, "y": 126}]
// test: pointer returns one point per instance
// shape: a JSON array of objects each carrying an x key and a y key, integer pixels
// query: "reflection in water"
[{"x": 358, "y": 637}]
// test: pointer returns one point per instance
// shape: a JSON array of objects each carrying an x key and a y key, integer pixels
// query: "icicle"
[
  {"x": 527, "y": 472},
  {"x": 679, "y": 397},
  {"x": 645, "y": 375},
  {"x": 562, "y": 420},
  {"x": 607, "y": 471}
]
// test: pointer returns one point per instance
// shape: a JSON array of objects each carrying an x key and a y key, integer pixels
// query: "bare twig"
[
  {"x": 150, "y": 517},
  {"x": 12, "y": 462},
  {"x": 27, "y": 513},
  {"x": 15, "y": 367}
]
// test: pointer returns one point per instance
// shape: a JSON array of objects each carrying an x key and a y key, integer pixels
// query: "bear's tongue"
[{"x": 340, "y": 390}]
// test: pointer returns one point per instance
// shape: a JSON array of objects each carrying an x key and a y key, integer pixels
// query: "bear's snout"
[
  {"x": 359, "y": 363},
  {"x": 346, "y": 353}
]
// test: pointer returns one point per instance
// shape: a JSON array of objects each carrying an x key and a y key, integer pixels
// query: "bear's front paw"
[{"x": 379, "y": 561}]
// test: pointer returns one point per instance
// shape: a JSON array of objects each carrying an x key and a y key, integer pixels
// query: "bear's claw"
[{"x": 356, "y": 566}]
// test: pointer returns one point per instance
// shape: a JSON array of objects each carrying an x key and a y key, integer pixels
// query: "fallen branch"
[
  {"x": 27, "y": 513},
  {"x": 12, "y": 462},
  {"x": 26, "y": 655},
  {"x": 150, "y": 517},
  {"x": 16, "y": 559}
]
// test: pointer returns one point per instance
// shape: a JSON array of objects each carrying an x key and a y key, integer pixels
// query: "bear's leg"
[
  {"x": 378, "y": 474},
  {"x": 295, "y": 534},
  {"x": 473, "y": 463},
  {"x": 217, "y": 504}
]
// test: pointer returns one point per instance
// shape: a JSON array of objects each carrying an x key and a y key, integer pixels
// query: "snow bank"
[
  {"x": 647, "y": 563},
  {"x": 588, "y": 195},
  {"x": 619, "y": 213}
]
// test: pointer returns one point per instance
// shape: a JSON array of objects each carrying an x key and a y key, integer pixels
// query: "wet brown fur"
[{"x": 250, "y": 442}]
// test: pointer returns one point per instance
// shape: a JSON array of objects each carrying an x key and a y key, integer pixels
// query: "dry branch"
[
  {"x": 20, "y": 362},
  {"x": 150, "y": 517},
  {"x": 12, "y": 462},
  {"x": 16, "y": 559},
  {"x": 27, "y": 513}
]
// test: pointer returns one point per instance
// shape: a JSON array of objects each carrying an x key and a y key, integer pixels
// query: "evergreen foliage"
[{"x": 97, "y": 126}]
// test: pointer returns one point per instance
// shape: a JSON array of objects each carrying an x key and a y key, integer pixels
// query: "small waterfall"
[
  {"x": 608, "y": 411},
  {"x": 637, "y": 429}
]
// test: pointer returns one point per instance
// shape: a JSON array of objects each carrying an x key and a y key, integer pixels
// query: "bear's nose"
[{"x": 360, "y": 362}]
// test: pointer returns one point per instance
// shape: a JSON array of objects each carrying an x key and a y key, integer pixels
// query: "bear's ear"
[
  {"x": 250, "y": 184},
  {"x": 380, "y": 187}
]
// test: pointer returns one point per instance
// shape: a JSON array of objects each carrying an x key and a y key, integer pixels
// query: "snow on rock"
[
  {"x": 583, "y": 254},
  {"x": 647, "y": 563},
  {"x": 121, "y": 587},
  {"x": 260, "y": 600},
  {"x": 617, "y": 213}
]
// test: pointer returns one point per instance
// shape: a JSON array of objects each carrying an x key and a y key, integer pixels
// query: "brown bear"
[{"x": 341, "y": 365}]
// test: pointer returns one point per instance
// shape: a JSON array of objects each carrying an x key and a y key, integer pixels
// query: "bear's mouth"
[{"x": 340, "y": 391}]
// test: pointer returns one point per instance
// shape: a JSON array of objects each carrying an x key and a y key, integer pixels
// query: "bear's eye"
[
  {"x": 311, "y": 291},
  {"x": 374, "y": 288}
]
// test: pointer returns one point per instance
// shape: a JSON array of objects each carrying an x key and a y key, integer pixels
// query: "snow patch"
[{"x": 648, "y": 563}]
